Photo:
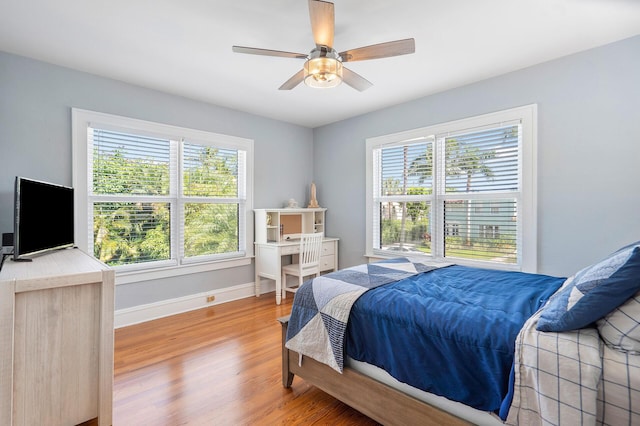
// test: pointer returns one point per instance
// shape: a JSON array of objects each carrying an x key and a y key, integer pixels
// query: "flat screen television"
[{"x": 43, "y": 217}]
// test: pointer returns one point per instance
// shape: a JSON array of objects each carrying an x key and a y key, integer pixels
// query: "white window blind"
[
  {"x": 130, "y": 198},
  {"x": 484, "y": 165},
  {"x": 214, "y": 200},
  {"x": 163, "y": 201},
  {"x": 403, "y": 196},
  {"x": 483, "y": 161},
  {"x": 129, "y": 164},
  {"x": 209, "y": 171},
  {"x": 455, "y": 191}
]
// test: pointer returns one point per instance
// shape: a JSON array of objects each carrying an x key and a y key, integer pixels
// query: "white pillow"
[{"x": 620, "y": 329}]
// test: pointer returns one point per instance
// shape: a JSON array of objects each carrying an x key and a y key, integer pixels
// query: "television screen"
[{"x": 43, "y": 217}]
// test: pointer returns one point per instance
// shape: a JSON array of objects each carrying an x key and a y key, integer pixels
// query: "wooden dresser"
[{"x": 56, "y": 340}]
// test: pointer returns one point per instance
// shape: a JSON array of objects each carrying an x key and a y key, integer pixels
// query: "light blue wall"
[
  {"x": 588, "y": 152},
  {"x": 35, "y": 141}
]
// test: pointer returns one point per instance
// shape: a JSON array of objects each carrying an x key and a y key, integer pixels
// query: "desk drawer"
[
  {"x": 327, "y": 263},
  {"x": 290, "y": 250},
  {"x": 328, "y": 247}
]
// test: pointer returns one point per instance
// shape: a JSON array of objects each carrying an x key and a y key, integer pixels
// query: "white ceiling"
[{"x": 183, "y": 47}]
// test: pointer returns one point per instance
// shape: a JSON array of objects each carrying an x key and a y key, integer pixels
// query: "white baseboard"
[{"x": 165, "y": 308}]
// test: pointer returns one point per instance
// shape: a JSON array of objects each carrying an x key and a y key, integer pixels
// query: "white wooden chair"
[{"x": 309, "y": 262}]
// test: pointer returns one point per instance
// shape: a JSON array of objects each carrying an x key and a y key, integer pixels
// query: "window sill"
[
  {"x": 129, "y": 277},
  {"x": 428, "y": 260}
]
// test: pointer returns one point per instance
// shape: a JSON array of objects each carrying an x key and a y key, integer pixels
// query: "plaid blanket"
[
  {"x": 322, "y": 305},
  {"x": 619, "y": 391},
  {"x": 557, "y": 376}
]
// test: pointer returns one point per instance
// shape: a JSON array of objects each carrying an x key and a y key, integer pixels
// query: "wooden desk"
[{"x": 269, "y": 260}]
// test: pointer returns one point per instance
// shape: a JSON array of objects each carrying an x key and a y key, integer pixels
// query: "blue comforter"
[{"x": 450, "y": 331}]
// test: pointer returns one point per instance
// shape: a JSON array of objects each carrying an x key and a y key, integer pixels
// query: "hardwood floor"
[{"x": 216, "y": 366}]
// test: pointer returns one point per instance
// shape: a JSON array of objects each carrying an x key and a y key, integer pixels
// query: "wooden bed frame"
[{"x": 369, "y": 396}]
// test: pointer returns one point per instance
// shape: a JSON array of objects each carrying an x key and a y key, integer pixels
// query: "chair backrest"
[{"x": 310, "y": 250}]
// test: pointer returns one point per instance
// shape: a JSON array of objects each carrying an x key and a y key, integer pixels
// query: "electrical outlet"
[{"x": 211, "y": 299}]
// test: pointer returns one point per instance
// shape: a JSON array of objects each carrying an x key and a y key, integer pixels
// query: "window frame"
[
  {"x": 177, "y": 265},
  {"x": 527, "y": 198}
]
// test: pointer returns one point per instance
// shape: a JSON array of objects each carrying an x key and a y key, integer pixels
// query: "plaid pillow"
[
  {"x": 621, "y": 328},
  {"x": 593, "y": 292}
]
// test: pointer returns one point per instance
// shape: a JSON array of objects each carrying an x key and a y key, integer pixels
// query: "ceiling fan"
[{"x": 323, "y": 65}]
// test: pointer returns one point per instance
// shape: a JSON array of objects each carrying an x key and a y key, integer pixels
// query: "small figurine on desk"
[
  {"x": 313, "y": 203},
  {"x": 293, "y": 204}
]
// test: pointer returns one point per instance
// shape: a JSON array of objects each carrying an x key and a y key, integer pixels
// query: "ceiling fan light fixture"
[
  {"x": 323, "y": 66},
  {"x": 322, "y": 72}
]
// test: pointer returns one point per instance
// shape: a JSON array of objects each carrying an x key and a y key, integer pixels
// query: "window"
[
  {"x": 489, "y": 231},
  {"x": 460, "y": 191},
  {"x": 156, "y": 196},
  {"x": 452, "y": 230}
]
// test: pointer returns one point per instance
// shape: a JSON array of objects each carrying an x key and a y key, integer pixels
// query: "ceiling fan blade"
[
  {"x": 322, "y": 22},
  {"x": 355, "y": 80},
  {"x": 382, "y": 50},
  {"x": 268, "y": 52},
  {"x": 293, "y": 81}
]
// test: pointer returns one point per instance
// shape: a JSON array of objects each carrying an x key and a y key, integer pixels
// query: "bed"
[{"x": 405, "y": 342}]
